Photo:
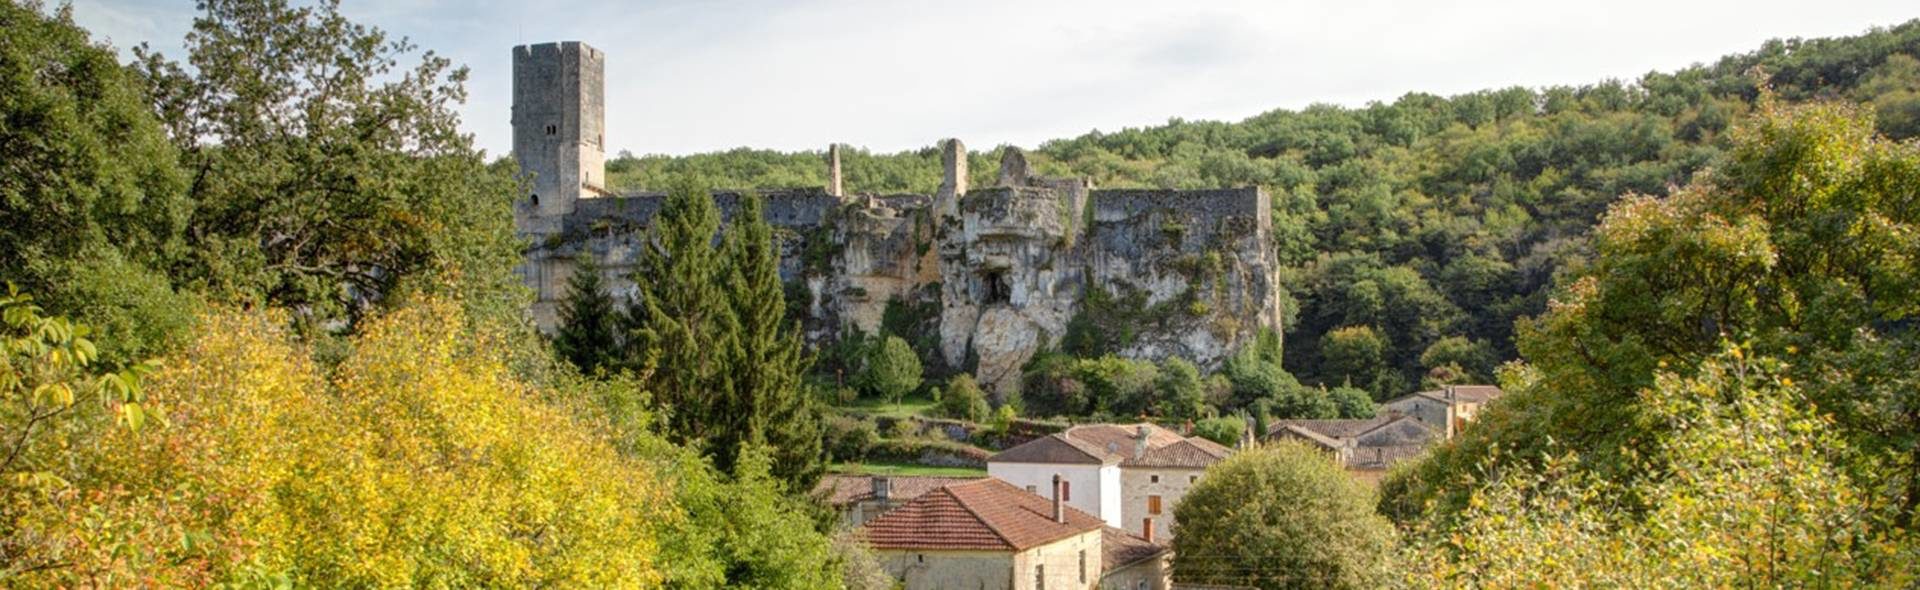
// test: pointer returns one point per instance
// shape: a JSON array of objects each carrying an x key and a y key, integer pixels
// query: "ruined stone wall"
[
  {"x": 1006, "y": 267},
  {"x": 1204, "y": 257}
]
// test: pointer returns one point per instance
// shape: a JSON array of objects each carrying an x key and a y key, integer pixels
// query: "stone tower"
[{"x": 559, "y": 113}]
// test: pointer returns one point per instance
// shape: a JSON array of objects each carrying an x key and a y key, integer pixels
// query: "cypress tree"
[
  {"x": 588, "y": 321},
  {"x": 767, "y": 360}
]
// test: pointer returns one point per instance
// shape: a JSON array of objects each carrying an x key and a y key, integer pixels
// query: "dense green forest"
[
  {"x": 260, "y": 328},
  {"x": 1415, "y": 232}
]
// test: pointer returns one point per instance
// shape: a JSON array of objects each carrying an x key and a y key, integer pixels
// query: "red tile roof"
[{"x": 986, "y": 514}]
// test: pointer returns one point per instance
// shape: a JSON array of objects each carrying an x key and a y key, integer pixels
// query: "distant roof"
[
  {"x": 1119, "y": 549},
  {"x": 842, "y": 489},
  {"x": 1301, "y": 432},
  {"x": 1465, "y": 393},
  {"x": 1332, "y": 428},
  {"x": 1107, "y": 444},
  {"x": 1055, "y": 448},
  {"x": 1383, "y": 457},
  {"x": 1474, "y": 393},
  {"x": 984, "y": 514}
]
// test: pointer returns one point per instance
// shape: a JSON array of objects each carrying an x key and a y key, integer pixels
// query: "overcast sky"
[{"x": 694, "y": 76}]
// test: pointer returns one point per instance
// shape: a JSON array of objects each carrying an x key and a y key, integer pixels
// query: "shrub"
[
  {"x": 1225, "y": 430},
  {"x": 1353, "y": 402},
  {"x": 892, "y": 369},
  {"x": 849, "y": 438}
]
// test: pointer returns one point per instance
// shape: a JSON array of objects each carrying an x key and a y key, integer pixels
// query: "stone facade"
[
  {"x": 1005, "y": 267},
  {"x": 1147, "y": 486}
]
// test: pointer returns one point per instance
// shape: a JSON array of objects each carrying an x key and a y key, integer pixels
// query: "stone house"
[
  {"x": 1131, "y": 476},
  {"x": 988, "y": 534},
  {"x": 860, "y": 498},
  {"x": 1448, "y": 409},
  {"x": 1367, "y": 448}
]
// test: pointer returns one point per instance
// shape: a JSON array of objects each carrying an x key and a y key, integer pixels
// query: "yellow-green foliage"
[
  {"x": 418, "y": 461},
  {"x": 1751, "y": 493}
]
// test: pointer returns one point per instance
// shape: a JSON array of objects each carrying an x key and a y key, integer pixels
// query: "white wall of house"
[
  {"x": 1138, "y": 485},
  {"x": 1095, "y": 489}
]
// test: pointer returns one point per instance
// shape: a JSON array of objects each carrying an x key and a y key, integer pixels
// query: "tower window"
[
  {"x": 553, "y": 129},
  {"x": 536, "y": 199}
]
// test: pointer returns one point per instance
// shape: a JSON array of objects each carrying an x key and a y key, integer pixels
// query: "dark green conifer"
[
  {"x": 767, "y": 360},
  {"x": 588, "y": 321}
]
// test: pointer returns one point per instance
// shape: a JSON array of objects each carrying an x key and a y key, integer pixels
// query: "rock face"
[{"x": 996, "y": 274}]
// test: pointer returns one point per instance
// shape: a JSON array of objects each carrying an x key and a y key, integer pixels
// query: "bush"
[
  {"x": 903, "y": 428},
  {"x": 1181, "y": 394},
  {"x": 849, "y": 438},
  {"x": 1225, "y": 430},
  {"x": 964, "y": 400},
  {"x": 1281, "y": 516},
  {"x": 1353, "y": 402}
]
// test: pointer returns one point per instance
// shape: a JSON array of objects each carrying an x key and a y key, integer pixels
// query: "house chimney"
[
  {"x": 833, "y": 170},
  {"x": 1059, "y": 507},
  {"x": 882, "y": 487},
  {"x": 1140, "y": 441}
]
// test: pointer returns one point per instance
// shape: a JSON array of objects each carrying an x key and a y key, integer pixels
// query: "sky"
[{"x": 888, "y": 75}]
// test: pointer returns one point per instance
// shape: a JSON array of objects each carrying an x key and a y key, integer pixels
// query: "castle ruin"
[{"x": 1007, "y": 266}]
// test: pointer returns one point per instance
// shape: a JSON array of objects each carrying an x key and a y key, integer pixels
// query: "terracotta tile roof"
[
  {"x": 1106, "y": 444},
  {"x": 985, "y": 514},
  {"x": 1196, "y": 453},
  {"x": 843, "y": 489},
  {"x": 1120, "y": 549}
]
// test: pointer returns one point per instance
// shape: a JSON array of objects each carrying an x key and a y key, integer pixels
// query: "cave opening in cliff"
[{"x": 994, "y": 283}]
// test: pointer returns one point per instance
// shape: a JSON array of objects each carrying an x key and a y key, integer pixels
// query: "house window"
[
  {"x": 536, "y": 199},
  {"x": 1153, "y": 504},
  {"x": 1083, "y": 566},
  {"x": 1066, "y": 491},
  {"x": 1040, "y": 577},
  {"x": 922, "y": 557},
  {"x": 1032, "y": 490},
  {"x": 1153, "y": 479},
  {"x": 1193, "y": 478},
  {"x": 1146, "y": 529}
]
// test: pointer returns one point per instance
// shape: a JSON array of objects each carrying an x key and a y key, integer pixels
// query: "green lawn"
[
  {"x": 887, "y": 468},
  {"x": 908, "y": 406}
]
